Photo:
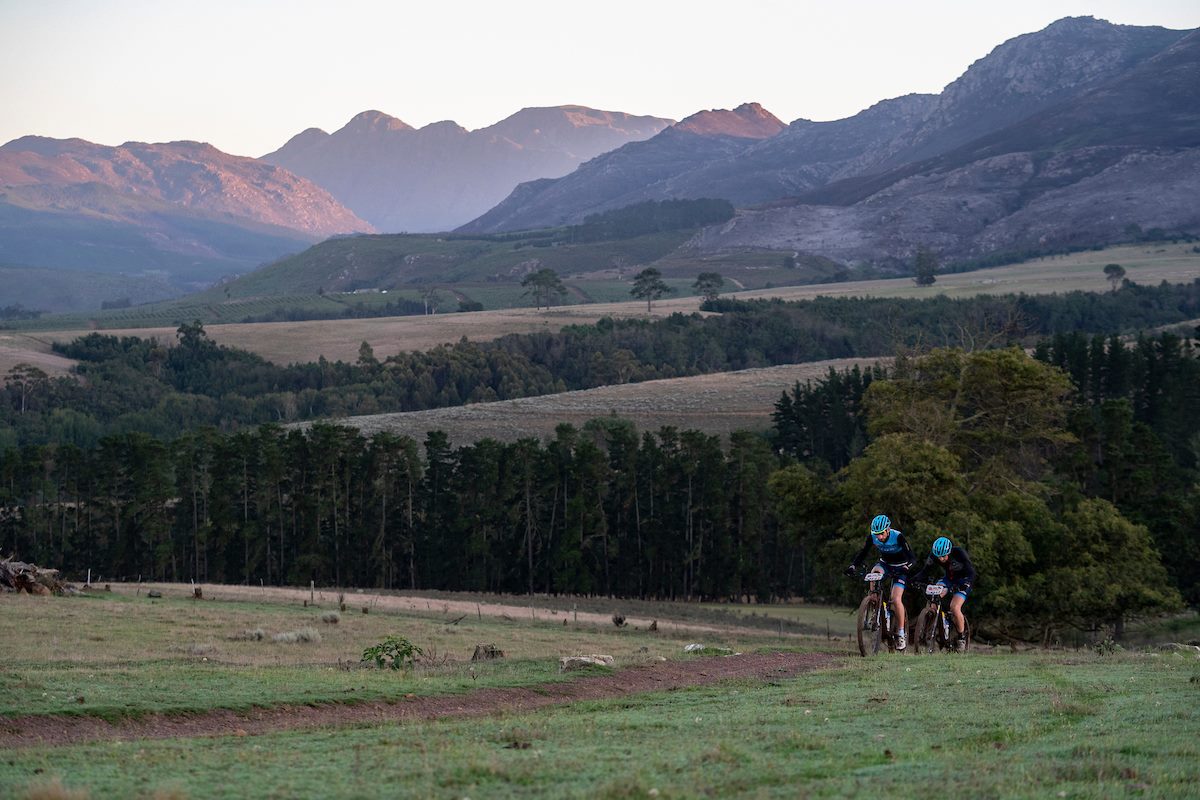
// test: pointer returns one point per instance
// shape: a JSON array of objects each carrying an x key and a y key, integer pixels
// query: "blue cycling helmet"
[
  {"x": 941, "y": 547},
  {"x": 880, "y": 524}
]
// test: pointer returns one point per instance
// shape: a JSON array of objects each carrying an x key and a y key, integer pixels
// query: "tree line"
[
  {"x": 598, "y": 510},
  {"x": 127, "y": 384}
]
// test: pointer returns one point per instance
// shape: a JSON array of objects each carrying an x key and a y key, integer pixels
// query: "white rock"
[{"x": 568, "y": 663}]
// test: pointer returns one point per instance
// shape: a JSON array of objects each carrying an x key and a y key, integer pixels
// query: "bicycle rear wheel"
[{"x": 868, "y": 626}]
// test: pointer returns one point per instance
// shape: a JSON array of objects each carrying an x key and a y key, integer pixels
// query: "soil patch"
[{"x": 655, "y": 677}]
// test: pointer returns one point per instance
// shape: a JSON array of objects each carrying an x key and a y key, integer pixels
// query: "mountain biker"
[
  {"x": 959, "y": 577},
  {"x": 895, "y": 559}
]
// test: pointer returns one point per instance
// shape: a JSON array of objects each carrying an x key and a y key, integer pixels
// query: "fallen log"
[{"x": 22, "y": 578}]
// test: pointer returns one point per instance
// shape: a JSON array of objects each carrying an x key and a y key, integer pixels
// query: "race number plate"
[
  {"x": 935, "y": 590},
  {"x": 871, "y": 577}
]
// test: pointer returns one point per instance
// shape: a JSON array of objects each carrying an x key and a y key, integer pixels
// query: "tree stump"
[{"x": 487, "y": 652}]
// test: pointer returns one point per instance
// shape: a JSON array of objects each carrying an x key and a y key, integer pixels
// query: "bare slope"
[{"x": 715, "y": 404}]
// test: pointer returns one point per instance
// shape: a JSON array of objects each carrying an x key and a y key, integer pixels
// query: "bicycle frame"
[
  {"x": 937, "y": 616},
  {"x": 875, "y": 618}
]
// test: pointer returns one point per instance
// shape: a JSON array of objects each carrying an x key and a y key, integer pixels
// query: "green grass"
[
  {"x": 972, "y": 726},
  {"x": 117, "y": 655},
  {"x": 838, "y": 620}
]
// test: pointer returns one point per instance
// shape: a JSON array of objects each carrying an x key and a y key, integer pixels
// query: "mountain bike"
[
  {"x": 876, "y": 619},
  {"x": 934, "y": 628}
]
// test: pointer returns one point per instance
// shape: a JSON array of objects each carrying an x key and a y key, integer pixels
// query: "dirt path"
[{"x": 33, "y": 731}]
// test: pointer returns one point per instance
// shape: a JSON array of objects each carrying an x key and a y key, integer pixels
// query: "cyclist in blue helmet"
[
  {"x": 895, "y": 559},
  {"x": 958, "y": 577}
]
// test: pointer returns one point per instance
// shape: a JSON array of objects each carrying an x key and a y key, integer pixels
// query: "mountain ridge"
[
  {"x": 434, "y": 178},
  {"x": 1019, "y": 77}
]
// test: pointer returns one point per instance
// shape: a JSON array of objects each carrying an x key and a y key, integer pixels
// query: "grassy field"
[
  {"x": 285, "y": 342},
  {"x": 988, "y": 724},
  {"x": 121, "y": 654},
  {"x": 716, "y": 404}
]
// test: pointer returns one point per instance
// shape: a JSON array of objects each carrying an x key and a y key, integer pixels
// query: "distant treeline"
[
  {"x": 359, "y": 310},
  {"x": 599, "y": 510},
  {"x": 18, "y": 311},
  {"x": 130, "y": 384},
  {"x": 628, "y": 222}
]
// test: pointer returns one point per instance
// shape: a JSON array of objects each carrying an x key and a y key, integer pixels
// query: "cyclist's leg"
[
  {"x": 956, "y": 615},
  {"x": 961, "y": 590},
  {"x": 899, "y": 578},
  {"x": 960, "y": 596}
]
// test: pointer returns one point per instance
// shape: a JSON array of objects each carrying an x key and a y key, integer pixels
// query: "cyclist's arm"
[
  {"x": 919, "y": 575},
  {"x": 908, "y": 553},
  {"x": 861, "y": 553},
  {"x": 968, "y": 567}
]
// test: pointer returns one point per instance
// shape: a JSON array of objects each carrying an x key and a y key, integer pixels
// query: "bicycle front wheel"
[
  {"x": 868, "y": 626},
  {"x": 923, "y": 631}
]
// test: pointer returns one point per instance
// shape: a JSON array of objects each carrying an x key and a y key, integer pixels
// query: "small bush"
[
  {"x": 256, "y": 635},
  {"x": 331, "y": 618},
  {"x": 394, "y": 652},
  {"x": 298, "y": 637}
]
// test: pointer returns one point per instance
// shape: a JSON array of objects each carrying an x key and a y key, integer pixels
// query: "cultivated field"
[
  {"x": 286, "y": 342},
  {"x": 23, "y": 349},
  {"x": 716, "y": 404},
  {"x": 196, "y": 706}
]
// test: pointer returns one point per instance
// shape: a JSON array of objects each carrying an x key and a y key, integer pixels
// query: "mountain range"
[
  {"x": 181, "y": 213},
  {"x": 1064, "y": 137},
  {"x": 405, "y": 179},
  {"x": 1081, "y": 134}
]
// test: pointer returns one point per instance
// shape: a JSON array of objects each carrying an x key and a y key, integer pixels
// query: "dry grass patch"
[
  {"x": 716, "y": 404},
  {"x": 20, "y": 348}
]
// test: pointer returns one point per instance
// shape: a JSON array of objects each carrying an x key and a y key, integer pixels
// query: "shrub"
[
  {"x": 256, "y": 635},
  {"x": 296, "y": 637},
  {"x": 394, "y": 652},
  {"x": 331, "y": 618}
]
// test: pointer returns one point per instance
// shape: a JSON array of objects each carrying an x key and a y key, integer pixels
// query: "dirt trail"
[{"x": 33, "y": 731}]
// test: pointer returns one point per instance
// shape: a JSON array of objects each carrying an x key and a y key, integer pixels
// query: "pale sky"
[{"x": 248, "y": 75}]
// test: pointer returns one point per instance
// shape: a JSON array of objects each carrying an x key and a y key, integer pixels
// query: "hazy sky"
[{"x": 248, "y": 75}]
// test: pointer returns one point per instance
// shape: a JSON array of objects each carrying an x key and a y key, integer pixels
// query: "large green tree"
[
  {"x": 708, "y": 285},
  {"x": 648, "y": 285},
  {"x": 543, "y": 285},
  {"x": 1001, "y": 412}
]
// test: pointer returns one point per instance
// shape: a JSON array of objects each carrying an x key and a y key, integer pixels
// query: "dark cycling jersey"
[
  {"x": 958, "y": 567},
  {"x": 893, "y": 551}
]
